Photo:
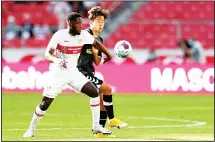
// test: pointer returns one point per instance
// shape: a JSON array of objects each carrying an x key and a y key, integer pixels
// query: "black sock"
[
  {"x": 103, "y": 118},
  {"x": 108, "y": 103}
]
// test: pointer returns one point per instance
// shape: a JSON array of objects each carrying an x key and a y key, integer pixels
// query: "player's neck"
[
  {"x": 95, "y": 33},
  {"x": 71, "y": 32}
]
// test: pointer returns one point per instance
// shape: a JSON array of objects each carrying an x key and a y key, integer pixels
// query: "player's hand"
[
  {"x": 108, "y": 58},
  {"x": 63, "y": 64}
]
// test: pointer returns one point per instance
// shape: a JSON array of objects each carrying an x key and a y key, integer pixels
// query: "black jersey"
[{"x": 86, "y": 58}]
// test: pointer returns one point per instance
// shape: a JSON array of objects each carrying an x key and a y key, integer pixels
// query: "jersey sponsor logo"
[
  {"x": 89, "y": 51},
  {"x": 69, "y": 49},
  {"x": 64, "y": 49}
]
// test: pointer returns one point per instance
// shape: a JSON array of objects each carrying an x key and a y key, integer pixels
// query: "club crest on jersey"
[
  {"x": 89, "y": 51},
  {"x": 79, "y": 41}
]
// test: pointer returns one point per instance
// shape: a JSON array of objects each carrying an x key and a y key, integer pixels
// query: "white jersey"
[{"x": 69, "y": 47}]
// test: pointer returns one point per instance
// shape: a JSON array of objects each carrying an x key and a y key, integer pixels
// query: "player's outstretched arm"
[{"x": 98, "y": 45}]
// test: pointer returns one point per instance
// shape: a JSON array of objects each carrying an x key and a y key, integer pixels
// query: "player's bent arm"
[
  {"x": 49, "y": 56},
  {"x": 98, "y": 45},
  {"x": 97, "y": 58},
  {"x": 49, "y": 53}
]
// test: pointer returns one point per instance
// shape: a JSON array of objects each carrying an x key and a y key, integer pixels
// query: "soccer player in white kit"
[{"x": 62, "y": 52}]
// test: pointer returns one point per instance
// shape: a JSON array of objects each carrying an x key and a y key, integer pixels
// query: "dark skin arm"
[
  {"x": 52, "y": 59},
  {"x": 97, "y": 59},
  {"x": 98, "y": 45},
  {"x": 51, "y": 52}
]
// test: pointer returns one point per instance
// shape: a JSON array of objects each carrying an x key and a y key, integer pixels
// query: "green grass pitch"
[{"x": 149, "y": 117}]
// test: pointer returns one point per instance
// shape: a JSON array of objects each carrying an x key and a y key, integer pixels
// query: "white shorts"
[
  {"x": 58, "y": 78},
  {"x": 97, "y": 79}
]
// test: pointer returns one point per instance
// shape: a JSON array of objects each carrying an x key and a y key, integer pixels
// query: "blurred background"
[{"x": 156, "y": 30}]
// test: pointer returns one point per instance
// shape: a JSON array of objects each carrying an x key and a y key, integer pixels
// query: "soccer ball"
[{"x": 122, "y": 48}]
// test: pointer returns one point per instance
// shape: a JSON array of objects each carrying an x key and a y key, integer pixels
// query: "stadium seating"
[
  {"x": 15, "y": 43},
  {"x": 145, "y": 35},
  {"x": 37, "y": 13},
  {"x": 155, "y": 25},
  {"x": 36, "y": 43},
  {"x": 160, "y": 35},
  {"x": 176, "y": 10},
  {"x": 203, "y": 32}
]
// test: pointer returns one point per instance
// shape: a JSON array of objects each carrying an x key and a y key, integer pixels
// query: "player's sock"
[
  {"x": 38, "y": 114},
  {"x": 103, "y": 118},
  {"x": 95, "y": 108},
  {"x": 108, "y": 103}
]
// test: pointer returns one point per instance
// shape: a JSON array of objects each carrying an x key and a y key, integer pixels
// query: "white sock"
[
  {"x": 38, "y": 114},
  {"x": 95, "y": 108}
]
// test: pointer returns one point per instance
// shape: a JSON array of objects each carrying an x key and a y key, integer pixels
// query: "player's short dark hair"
[
  {"x": 72, "y": 16},
  {"x": 98, "y": 11}
]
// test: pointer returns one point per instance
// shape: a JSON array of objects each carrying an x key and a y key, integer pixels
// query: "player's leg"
[
  {"x": 97, "y": 82},
  {"x": 108, "y": 103},
  {"x": 82, "y": 84},
  {"x": 50, "y": 92},
  {"x": 107, "y": 99},
  {"x": 37, "y": 115},
  {"x": 103, "y": 113}
]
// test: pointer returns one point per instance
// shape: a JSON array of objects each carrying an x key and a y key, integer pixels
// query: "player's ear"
[{"x": 69, "y": 23}]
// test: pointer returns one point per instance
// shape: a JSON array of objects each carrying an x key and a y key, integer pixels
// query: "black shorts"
[{"x": 95, "y": 80}]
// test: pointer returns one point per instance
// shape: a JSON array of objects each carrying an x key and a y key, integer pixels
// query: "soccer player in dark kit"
[{"x": 90, "y": 55}]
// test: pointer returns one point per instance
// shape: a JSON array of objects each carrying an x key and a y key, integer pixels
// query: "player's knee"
[
  {"x": 108, "y": 91},
  {"x": 94, "y": 92},
  {"x": 44, "y": 105},
  {"x": 90, "y": 90}
]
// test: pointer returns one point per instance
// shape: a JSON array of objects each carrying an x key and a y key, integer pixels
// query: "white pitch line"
[
  {"x": 187, "y": 137},
  {"x": 195, "y": 138},
  {"x": 191, "y": 124},
  {"x": 192, "y": 108},
  {"x": 117, "y": 140}
]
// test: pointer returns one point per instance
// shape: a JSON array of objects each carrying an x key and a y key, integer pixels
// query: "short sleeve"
[
  {"x": 88, "y": 38},
  {"x": 54, "y": 41}
]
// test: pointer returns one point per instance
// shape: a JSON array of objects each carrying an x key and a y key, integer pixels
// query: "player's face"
[
  {"x": 98, "y": 23},
  {"x": 77, "y": 25}
]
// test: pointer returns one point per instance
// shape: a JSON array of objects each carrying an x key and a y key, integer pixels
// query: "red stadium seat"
[
  {"x": 36, "y": 43},
  {"x": 15, "y": 43}
]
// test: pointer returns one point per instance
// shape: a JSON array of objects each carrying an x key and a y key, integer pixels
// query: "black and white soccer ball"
[{"x": 122, "y": 48}]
